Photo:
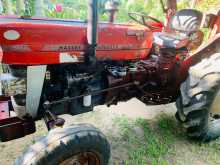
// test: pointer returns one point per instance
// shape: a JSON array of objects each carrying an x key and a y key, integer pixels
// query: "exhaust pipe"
[{"x": 92, "y": 31}]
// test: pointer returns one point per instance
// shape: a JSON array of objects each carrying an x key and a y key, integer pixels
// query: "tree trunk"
[
  {"x": 38, "y": 6},
  {"x": 19, "y": 7},
  {"x": 7, "y": 7},
  {"x": 27, "y": 8},
  {"x": 1, "y": 7},
  {"x": 193, "y": 4}
]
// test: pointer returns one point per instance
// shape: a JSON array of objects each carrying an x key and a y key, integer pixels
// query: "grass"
[
  {"x": 160, "y": 141},
  {"x": 163, "y": 142},
  {"x": 149, "y": 149}
]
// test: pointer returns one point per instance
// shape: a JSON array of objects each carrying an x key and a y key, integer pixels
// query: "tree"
[
  {"x": 27, "y": 8},
  {"x": 1, "y": 7},
  {"x": 7, "y": 5},
  {"x": 193, "y": 4},
  {"x": 38, "y": 8},
  {"x": 19, "y": 7}
]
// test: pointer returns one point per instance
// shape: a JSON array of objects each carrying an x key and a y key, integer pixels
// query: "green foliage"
[
  {"x": 202, "y": 5},
  {"x": 162, "y": 142},
  {"x": 206, "y": 5},
  {"x": 153, "y": 147},
  {"x": 150, "y": 7},
  {"x": 78, "y": 9}
]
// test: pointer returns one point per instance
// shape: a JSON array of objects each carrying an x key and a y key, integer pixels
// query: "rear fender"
[{"x": 205, "y": 51}]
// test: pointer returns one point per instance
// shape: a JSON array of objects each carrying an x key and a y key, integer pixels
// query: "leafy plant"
[{"x": 78, "y": 9}]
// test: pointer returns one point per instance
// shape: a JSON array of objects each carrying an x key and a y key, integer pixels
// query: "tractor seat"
[
  {"x": 170, "y": 40},
  {"x": 184, "y": 23}
]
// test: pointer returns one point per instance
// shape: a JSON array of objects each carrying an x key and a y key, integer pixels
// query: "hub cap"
[{"x": 86, "y": 158}]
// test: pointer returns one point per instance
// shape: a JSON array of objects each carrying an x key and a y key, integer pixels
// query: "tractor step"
[{"x": 12, "y": 127}]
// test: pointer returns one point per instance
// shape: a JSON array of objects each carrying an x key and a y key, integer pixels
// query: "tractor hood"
[{"x": 53, "y": 41}]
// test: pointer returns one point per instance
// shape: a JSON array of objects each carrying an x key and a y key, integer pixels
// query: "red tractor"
[{"x": 53, "y": 67}]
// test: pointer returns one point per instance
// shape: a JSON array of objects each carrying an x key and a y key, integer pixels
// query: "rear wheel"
[
  {"x": 199, "y": 103},
  {"x": 80, "y": 144}
]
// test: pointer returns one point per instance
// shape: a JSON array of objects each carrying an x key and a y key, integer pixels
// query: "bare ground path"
[{"x": 116, "y": 121}]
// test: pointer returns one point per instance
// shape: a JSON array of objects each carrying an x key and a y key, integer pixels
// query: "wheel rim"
[
  {"x": 215, "y": 108},
  {"x": 86, "y": 158}
]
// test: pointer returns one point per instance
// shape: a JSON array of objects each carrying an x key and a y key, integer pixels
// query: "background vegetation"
[{"x": 77, "y": 9}]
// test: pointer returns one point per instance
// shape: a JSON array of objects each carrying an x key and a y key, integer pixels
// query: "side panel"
[{"x": 55, "y": 41}]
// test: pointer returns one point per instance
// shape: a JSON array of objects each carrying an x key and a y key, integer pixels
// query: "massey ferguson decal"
[
  {"x": 118, "y": 47},
  {"x": 16, "y": 48},
  {"x": 63, "y": 47},
  {"x": 68, "y": 47}
]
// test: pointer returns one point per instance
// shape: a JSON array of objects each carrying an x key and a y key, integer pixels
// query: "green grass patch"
[
  {"x": 152, "y": 145},
  {"x": 163, "y": 142}
]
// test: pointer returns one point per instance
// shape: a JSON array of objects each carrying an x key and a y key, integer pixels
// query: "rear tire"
[
  {"x": 79, "y": 144},
  {"x": 198, "y": 94}
]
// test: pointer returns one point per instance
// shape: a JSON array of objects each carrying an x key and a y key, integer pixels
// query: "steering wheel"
[{"x": 140, "y": 18}]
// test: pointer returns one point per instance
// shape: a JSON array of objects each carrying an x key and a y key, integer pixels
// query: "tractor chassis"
[{"x": 13, "y": 127}]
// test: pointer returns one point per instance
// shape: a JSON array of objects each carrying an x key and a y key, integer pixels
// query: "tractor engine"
[
  {"x": 61, "y": 81},
  {"x": 111, "y": 83}
]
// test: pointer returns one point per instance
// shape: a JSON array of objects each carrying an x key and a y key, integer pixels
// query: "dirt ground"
[{"x": 183, "y": 151}]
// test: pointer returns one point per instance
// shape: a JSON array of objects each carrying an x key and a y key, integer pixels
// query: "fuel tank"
[{"x": 34, "y": 41}]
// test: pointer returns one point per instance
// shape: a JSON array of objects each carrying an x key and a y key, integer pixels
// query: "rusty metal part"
[
  {"x": 218, "y": 22},
  {"x": 154, "y": 98},
  {"x": 86, "y": 158},
  {"x": 47, "y": 104},
  {"x": 171, "y": 4},
  {"x": 211, "y": 47},
  {"x": 216, "y": 26},
  {"x": 195, "y": 40},
  {"x": 210, "y": 20},
  {"x": 51, "y": 120},
  {"x": 13, "y": 128},
  {"x": 204, "y": 51}
]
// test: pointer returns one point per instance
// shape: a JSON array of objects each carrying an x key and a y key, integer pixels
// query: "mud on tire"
[
  {"x": 62, "y": 145},
  {"x": 198, "y": 94}
]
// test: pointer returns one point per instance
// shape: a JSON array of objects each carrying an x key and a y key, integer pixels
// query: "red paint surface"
[{"x": 40, "y": 39}]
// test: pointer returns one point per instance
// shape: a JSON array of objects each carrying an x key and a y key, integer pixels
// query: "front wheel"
[
  {"x": 80, "y": 144},
  {"x": 199, "y": 103}
]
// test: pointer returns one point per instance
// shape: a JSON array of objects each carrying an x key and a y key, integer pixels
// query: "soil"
[{"x": 104, "y": 118}]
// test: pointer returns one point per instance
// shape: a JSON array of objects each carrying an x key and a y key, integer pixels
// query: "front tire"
[
  {"x": 197, "y": 107},
  {"x": 80, "y": 144}
]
